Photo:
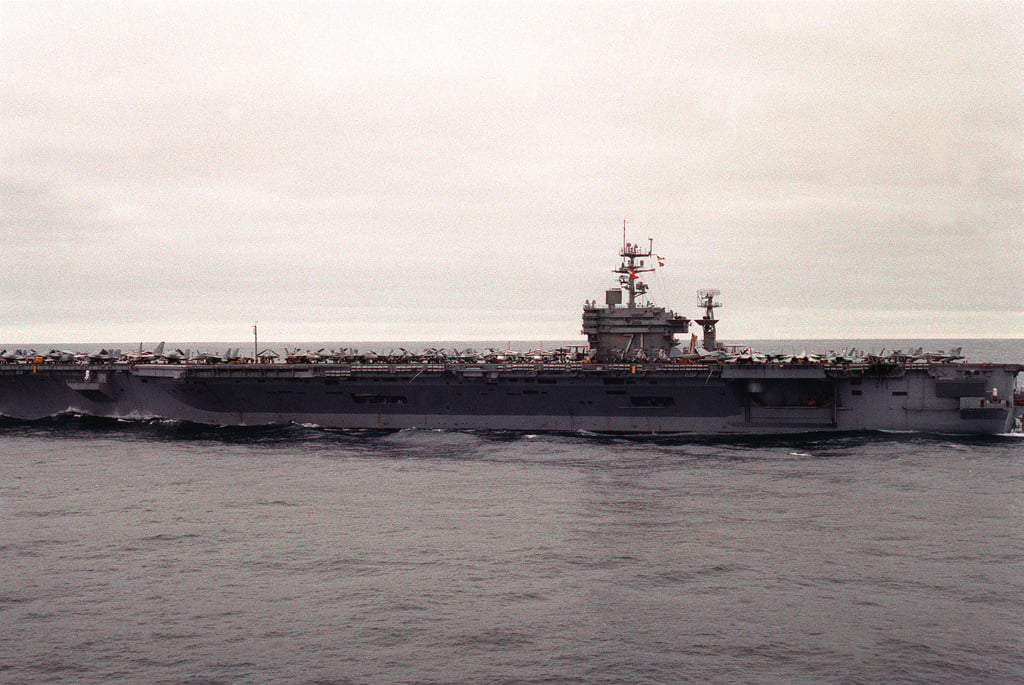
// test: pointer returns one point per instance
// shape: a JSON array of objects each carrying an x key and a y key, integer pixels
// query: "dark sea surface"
[
  {"x": 169, "y": 553},
  {"x": 162, "y": 553}
]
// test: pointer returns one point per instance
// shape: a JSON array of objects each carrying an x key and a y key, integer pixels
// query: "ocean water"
[
  {"x": 163, "y": 553},
  {"x": 169, "y": 553}
]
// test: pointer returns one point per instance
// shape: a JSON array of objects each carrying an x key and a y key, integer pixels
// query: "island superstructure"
[
  {"x": 636, "y": 332},
  {"x": 633, "y": 376}
]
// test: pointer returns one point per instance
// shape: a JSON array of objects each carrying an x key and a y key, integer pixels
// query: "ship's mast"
[
  {"x": 708, "y": 299},
  {"x": 632, "y": 265}
]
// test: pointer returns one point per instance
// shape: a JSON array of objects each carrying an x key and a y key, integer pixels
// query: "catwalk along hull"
[{"x": 695, "y": 398}]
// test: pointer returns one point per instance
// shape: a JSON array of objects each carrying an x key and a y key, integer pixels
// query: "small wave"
[
  {"x": 46, "y": 513},
  {"x": 169, "y": 537}
]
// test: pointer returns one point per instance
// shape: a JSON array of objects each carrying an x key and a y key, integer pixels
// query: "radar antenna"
[{"x": 708, "y": 299}]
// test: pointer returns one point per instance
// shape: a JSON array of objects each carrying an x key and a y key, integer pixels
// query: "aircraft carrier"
[{"x": 633, "y": 376}]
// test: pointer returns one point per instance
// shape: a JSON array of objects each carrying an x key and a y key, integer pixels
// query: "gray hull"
[{"x": 645, "y": 398}]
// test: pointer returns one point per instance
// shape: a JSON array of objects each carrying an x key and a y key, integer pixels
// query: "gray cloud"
[{"x": 431, "y": 170}]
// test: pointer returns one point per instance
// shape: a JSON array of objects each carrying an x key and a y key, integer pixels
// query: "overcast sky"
[{"x": 435, "y": 171}]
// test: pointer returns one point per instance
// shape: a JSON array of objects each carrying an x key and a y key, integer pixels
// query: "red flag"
[
  {"x": 661, "y": 260},
  {"x": 633, "y": 274}
]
